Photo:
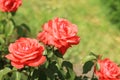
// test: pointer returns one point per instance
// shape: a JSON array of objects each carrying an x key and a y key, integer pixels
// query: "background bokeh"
[{"x": 98, "y": 33}]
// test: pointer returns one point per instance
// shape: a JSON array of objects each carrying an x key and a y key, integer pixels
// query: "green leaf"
[
  {"x": 2, "y": 36},
  {"x": 2, "y": 40},
  {"x": 1, "y": 28},
  {"x": 53, "y": 72},
  {"x": 90, "y": 57},
  {"x": 70, "y": 74},
  {"x": 98, "y": 66},
  {"x": 87, "y": 67},
  {"x": 23, "y": 30},
  {"x": 93, "y": 54},
  {"x": 45, "y": 52},
  {"x": 35, "y": 75},
  {"x": 26, "y": 27},
  {"x": 4, "y": 72},
  {"x": 18, "y": 76},
  {"x": 9, "y": 28},
  {"x": 58, "y": 54},
  {"x": 46, "y": 64},
  {"x": 95, "y": 78},
  {"x": 13, "y": 13},
  {"x": 23, "y": 76},
  {"x": 49, "y": 51},
  {"x": 39, "y": 74},
  {"x": 67, "y": 64}
]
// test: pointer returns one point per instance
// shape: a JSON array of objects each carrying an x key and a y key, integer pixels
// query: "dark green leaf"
[
  {"x": 35, "y": 75},
  {"x": 87, "y": 67},
  {"x": 94, "y": 79},
  {"x": 58, "y": 54},
  {"x": 13, "y": 13},
  {"x": 23, "y": 30},
  {"x": 70, "y": 74},
  {"x": 93, "y": 54},
  {"x": 53, "y": 72},
  {"x": 67, "y": 64}
]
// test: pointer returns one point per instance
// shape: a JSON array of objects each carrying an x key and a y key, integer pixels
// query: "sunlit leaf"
[
  {"x": 9, "y": 28},
  {"x": 90, "y": 57},
  {"x": 18, "y": 76},
  {"x": 1, "y": 28},
  {"x": 98, "y": 66},
  {"x": 2, "y": 40},
  {"x": 4, "y": 72}
]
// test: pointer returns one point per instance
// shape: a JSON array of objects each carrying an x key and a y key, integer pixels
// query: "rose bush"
[
  {"x": 108, "y": 70},
  {"x": 26, "y": 52},
  {"x": 60, "y": 33},
  {"x": 10, "y": 5},
  {"x": 31, "y": 60}
]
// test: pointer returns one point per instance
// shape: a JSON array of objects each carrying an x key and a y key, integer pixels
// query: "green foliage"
[
  {"x": 8, "y": 33},
  {"x": 9, "y": 29},
  {"x": 113, "y": 10}
]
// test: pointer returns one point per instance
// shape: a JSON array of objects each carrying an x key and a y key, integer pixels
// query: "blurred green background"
[{"x": 93, "y": 17}]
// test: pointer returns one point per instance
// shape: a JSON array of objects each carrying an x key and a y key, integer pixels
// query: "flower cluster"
[
  {"x": 28, "y": 54},
  {"x": 25, "y": 51}
]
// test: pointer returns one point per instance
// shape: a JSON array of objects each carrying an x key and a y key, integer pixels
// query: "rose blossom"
[
  {"x": 26, "y": 52},
  {"x": 108, "y": 70},
  {"x": 60, "y": 33},
  {"x": 9, "y": 5}
]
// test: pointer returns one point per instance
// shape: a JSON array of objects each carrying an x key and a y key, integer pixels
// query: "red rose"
[
  {"x": 108, "y": 70},
  {"x": 9, "y": 5},
  {"x": 26, "y": 52},
  {"x": 59, "y": 33}
]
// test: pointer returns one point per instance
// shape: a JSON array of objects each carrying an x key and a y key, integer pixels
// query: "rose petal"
[
  {"x": 17, "y": 65},
  {"x": 9, "y": 5},
  {"x": 24, "y": 51},
  {"x": 11, "y": 57},
  {"x": 62, "y": 50},
  {"x": 36, "y": 62},
  {"x": 73, "y": 40}
]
